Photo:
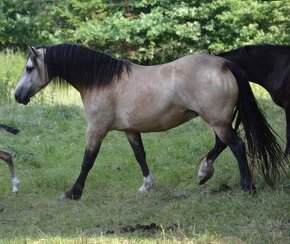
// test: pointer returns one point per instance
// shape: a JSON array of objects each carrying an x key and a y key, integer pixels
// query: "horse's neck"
[{"x": 268, "y": 67}]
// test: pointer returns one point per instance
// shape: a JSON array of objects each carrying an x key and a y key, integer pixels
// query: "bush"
[{"x": 144, "y": 31}]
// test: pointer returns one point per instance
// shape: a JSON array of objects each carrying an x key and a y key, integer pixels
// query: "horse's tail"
[
  {"x": 263, "y": 148},
  {"x": 9, "y": 129}
]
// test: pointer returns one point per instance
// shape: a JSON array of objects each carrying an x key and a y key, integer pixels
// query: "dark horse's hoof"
[
  {"x": 73, "y": 194},
  {"x": 249, "y": 187},
  {"x": 66, "y": 197}
]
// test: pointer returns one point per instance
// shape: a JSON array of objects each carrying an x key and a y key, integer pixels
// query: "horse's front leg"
[
  {"x": 140, "y": 155},
  {"x": 93, "y": 143},
  {"x": 7, "y": 157}
]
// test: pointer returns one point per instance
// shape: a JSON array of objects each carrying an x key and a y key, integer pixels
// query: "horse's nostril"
[{"x": 16, "y": 97}]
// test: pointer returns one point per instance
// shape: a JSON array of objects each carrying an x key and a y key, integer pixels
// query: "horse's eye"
[{"x": 29, "y": 69}]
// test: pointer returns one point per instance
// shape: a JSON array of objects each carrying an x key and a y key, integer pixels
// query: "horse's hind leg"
[
  {"x": 7, "y": 157},
  {"x": 229, "y": 136},
  {"x": 206, "y": 168},
  {"x": 287, "y": 113},
  {"x": 140, "y": 155}
]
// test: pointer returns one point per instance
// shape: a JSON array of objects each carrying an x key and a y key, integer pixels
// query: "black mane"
[{"x": 76, "y": 63}]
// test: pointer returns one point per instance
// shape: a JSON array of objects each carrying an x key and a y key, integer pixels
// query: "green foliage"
[
  {"x": 10, "y": 65},
  {"x": 159, "y": 31},
  {"x": 145, "y": 31},
  {"x": 68, "y": 16},
  {"x": 23, "y": 23},
  {"x": 248, "y": 22}
]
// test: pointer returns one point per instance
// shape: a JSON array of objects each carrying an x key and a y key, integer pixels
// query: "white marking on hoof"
[
  {"x": 63, "y": 198},
  {"x": 15, "y": 183},
  {"x": 206, "y": 170},
  {"x": 147, "y": 184}
]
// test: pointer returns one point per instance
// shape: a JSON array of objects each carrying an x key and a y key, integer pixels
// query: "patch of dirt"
[{"x": 150, "y": 229}]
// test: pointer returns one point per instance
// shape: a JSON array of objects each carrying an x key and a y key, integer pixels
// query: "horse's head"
[{"x": 33, "y": 78}]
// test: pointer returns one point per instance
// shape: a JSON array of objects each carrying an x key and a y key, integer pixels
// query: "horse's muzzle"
[{"x": 22, "y": 99}]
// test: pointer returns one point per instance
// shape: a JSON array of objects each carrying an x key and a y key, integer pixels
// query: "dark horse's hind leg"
[
  {"x": 229, "y": 136},
  {"x": 140, "y": 155},
  {"x": 287, "y": 115},
  {"x": 231, "y": 139},
  {"x": 206, "y": 168}
]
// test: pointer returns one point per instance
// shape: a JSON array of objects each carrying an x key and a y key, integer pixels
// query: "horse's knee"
[
  {"x": 224, "y": 133},
  {"x": 238, "y": 146},
  {"x": 6, "y": 156},
  {"x": 229, "y": 136}
]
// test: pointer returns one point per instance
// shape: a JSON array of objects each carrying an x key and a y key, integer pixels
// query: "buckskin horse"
[
  {"x": 7, "y": 157},
  {"x": 268, "y": 66},
  {"x": 120, "y": 95}
]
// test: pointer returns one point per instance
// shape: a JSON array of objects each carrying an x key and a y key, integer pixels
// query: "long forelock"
[{"x": 76, "y": 64}]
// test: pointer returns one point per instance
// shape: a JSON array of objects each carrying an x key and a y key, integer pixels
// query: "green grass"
[{"x": 48, "y": 154}]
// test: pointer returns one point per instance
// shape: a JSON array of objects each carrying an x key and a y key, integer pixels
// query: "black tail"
[
  {"x": 9, "y": 129},
  {"x": 262, "y": 145}
]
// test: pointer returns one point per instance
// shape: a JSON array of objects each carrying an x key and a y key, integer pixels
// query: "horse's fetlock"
[{"x": 248, "y": 185}]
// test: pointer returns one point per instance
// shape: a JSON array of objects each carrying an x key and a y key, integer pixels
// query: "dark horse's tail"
[
  {"x": 9, "y": 129},
  {"x": 263, "y": 148}
]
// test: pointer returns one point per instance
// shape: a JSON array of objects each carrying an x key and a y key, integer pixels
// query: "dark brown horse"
[
  {"x": 7, "y": 157},
  {"x": 120, "y": 95},
  {"x": 268, "y": 66}
]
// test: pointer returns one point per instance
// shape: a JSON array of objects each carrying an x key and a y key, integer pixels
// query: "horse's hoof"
[
  {"x": 147, "y": 184},
  {"x": 64, "y": 198},
  {"x": 202, "y": 181},
  {"x": 68, "y": 196},
  {"x": 145, "y": 189},
  {"x": 205, "y": 171},
  {"x": 249, "y": 187}
]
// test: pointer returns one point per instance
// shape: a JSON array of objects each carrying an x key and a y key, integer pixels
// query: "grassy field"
[{"x": 48, "y": 153}]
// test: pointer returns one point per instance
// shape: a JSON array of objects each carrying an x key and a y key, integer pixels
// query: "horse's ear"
[{"x": 33, "y": 51}]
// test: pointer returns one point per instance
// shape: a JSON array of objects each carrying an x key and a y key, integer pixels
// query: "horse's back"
[{"x": 156, "y": 98}]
